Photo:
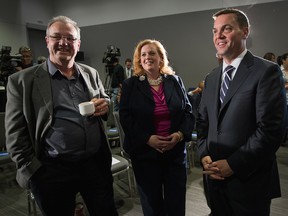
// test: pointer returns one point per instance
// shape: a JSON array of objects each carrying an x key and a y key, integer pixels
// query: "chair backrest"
[
  {"x": 2, "y": 131},
  {"x": 121, "y": 135},
  {"x": 120, "y": 129},
  {"x": 111, "y": 119}
]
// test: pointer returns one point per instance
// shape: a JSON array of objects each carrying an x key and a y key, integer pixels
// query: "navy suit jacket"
[
  {"x": 137, "y": 115},
  {"x": 248, "y": 128}
]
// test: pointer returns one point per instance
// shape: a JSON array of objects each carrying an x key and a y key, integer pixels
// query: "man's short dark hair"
[
  {"x": 128, "y": 60},
  {"x": 241, "y": 17}
]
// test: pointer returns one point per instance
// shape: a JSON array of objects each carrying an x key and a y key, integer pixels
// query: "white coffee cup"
[{"x": 86, "y": 108}]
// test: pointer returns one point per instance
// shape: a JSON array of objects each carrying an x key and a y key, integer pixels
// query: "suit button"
[{"x": 219, "y": 132}]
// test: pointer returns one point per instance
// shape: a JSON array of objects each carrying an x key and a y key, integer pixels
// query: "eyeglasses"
[{"x": 57, "y": 38}]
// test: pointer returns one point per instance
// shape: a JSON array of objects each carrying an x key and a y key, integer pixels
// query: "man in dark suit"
[
  {"x": 118, "y": 76},
  {"x": 57, "y": 151},
  {"x": 128, "y": 68},
  {"x": 238, "y": 137}
]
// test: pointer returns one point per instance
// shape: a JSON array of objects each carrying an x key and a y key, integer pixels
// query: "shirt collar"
[
  {"x": 52, "y": 69},
  {"x": 236, "y": 62}
]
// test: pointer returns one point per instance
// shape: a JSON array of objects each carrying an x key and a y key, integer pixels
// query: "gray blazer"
[{"x": 29, "y": 112}]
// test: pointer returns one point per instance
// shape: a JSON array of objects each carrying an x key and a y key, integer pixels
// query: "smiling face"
[
  {"x": 150, "y": 60},
  {"x": 229, "y": 39},
  {"x": 62, "y": 43}
]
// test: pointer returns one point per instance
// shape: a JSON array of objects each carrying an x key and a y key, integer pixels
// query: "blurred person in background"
[
  {"x": 26, "y": 58},
  {"x": 128, "y": 68},
  {"x": 283, "y": 63},
  {"x": 118, "y": 75},
  {"x": 41, "y": 59},
  {"x": 270, "y": 56}
]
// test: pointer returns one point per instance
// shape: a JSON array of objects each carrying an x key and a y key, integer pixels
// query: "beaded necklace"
[{"x": 156, "y": 82}]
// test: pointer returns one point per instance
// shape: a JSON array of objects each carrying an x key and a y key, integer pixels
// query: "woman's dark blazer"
[{"x": 137, "y": 114}]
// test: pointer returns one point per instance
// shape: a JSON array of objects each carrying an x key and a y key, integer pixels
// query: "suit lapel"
[
  {"x": 168, "y": 87},
  {"x": 87, "y": 80},
  {"x": 240, "y": 76},
  {"x": 168, "y": 83},
  {"x": 216, "y": 82},
  {"x": 42, "y": 81},
  {"x": 144, "y": 87}
]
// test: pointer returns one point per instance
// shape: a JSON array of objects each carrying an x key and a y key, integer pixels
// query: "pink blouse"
[{"x": 161, "y": 113}]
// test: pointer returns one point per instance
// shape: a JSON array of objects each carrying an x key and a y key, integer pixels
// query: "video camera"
[
  {"x": 8, "y": 63},
  {"x": 111, "y": 53}
]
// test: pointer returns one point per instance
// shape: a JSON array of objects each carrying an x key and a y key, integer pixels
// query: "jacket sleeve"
[
  {"x": 188, "y": 121},
  {"x": 271, "y": 117},
  {"x": 202, "y": 125},
  {"x": 19, "y": 140}
]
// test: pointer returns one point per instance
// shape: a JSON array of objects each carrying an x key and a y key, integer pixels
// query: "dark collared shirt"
[{"x": 71, "y": 136}]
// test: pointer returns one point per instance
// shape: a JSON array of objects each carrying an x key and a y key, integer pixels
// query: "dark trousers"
[
  {"x": 162, "y": 186},
  {"x": 206, "y": 189},
  {"x": 224, "y": 203},
  {"x": 56, "y": 184}
]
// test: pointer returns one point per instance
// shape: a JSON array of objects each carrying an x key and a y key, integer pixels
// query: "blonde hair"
[{"x": 164, "y": 67}]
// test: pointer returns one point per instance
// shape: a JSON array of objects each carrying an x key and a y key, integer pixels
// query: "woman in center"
[{"x": 157, "y": 119}]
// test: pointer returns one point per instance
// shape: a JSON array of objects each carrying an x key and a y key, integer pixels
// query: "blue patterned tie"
[{"x": 226, "y": 82}]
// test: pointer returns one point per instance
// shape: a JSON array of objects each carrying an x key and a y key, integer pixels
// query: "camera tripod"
[{"x": 108, "y": 79}]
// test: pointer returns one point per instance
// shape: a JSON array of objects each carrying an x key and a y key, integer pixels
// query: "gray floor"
[{"x": 13, "y": 200}]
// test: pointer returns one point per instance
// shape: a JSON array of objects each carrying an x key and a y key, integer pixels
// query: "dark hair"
[
  {"x": 241, "y": 17},
  {"x": 284, "y": 56},
  {"x": 269, "y": 56},
  {"x": 128, "y": 60},
  {"x": 281, "y": 58}
]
